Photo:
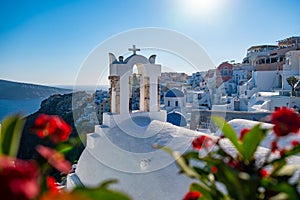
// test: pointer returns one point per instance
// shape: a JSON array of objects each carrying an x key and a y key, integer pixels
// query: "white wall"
[
  {"x": 172, "y": 100},
  {"x": 265, "y": 80},
  {"x": 291, "y": 67}
]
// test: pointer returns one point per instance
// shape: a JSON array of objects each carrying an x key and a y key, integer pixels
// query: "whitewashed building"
[
  {"x": 291, "y": 67},
  {"x": 270, "y": 101},
  {"x": 174, "y": 100}
]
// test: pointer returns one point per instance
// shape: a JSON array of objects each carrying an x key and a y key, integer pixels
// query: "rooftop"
[
  {"x": 262, "y": 47},
  {"x": 289, "y": 41},
  {"x": 174, "y": 93}
]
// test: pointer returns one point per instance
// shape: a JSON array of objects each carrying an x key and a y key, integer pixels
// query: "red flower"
[
  {"x": 274, "y": 146},
  {"x": 282, "y": 152},
  {"x": 285, "y": 121},
  {"x": 264, "y": 173},
  {"x": 54, "y": 158},
  {"x": 19, "y": 179},
  {"x": 243, "y": 133},
  {"x": 202, "y": 140},
  {"x": 52, "y": 126},
  {"x": 295, "y": 143},
  {"x": 52, "y": 185},
  {"x": 192, "y": 195},
  {"x": 214, "y": 169},
  {"x": 234, "y": 164}
]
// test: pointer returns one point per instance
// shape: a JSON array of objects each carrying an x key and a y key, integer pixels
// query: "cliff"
[{"x": 58, "y": 105}]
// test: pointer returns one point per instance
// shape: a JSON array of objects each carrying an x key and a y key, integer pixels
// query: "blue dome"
[
  {"x": 174, "y": 93},
  {"x": 176, "y": 118}
]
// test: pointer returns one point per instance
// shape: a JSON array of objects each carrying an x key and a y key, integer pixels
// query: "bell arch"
[
  {"x": 134, "y": 73},
  {"x": 139, "y": 85}
]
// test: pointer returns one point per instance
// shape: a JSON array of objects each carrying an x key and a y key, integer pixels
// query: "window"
[
  {"x": 281, "y": 58},
  {"x": 274, "y": 60},
  {"x": 259, "y": 102},
  {"x": 224, "y": 71},
  {"x": 176, "y": 103},
  {"x": 199, "y": 96},
  {"x": 168, "y": 103}
]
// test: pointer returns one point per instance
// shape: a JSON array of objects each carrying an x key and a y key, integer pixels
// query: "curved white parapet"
[
  {"x": 162, "y": 184},
  {"x": 111, "y": 120},
  {"x": 144, "y": 172}
]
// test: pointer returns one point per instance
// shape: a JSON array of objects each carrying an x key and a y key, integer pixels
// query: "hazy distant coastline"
[
  {"x": 19, "y": 91},
  {"x": 87, "y": 88},
  {"x": 26, "y": 98}
]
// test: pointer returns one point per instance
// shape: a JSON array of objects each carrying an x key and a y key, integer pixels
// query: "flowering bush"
[
  {"x": 30, "y": 179},
  {"x": 53, "y": 127},
  {"x": 18, "y": 179},
  {"x": 224, "y": 175}
]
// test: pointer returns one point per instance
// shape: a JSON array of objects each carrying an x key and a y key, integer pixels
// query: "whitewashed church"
[{"x": 121, "y": 148}]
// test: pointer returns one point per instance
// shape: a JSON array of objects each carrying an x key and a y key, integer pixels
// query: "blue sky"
[{"x": 46, "y": 41}]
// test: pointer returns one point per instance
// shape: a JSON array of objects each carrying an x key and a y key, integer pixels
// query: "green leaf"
[
  {"x": 284, "y": 187},
  {"x": 251, "y": 141},
  {"x": 96, "y": 194},
  {"x": 11, "y": 132},
  {"x": 230, "y": 179},
  {"x": 107, "y": 183},
  {"x": 101, "y": 192},
  {"x": 204, "y": 171},
  {"x": 277, "y": 166},
  {"x": 206, "y": 193},
  {"x": 293, "y": 151},
  {"x": 237, "y": 186},
  {"x": 63, "y": 148},
  {"x": 180, "y": 160},
  {"x": 228, "y": 132},
  {"x": 182, "y": 163},
  {"x": 191, "y": 155}
]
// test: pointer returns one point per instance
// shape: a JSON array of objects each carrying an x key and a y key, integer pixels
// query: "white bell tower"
[{"x": 120, "y": 76}]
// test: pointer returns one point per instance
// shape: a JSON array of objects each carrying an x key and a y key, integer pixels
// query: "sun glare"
[{"x": 201, "y": 8}]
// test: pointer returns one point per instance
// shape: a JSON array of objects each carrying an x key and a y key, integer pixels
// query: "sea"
[
  {"x": 29, "y": 106},
  {"x": 24, "y": 107}
]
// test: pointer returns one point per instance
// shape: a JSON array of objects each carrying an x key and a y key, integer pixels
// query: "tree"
[{"x": 294, "y": 83}]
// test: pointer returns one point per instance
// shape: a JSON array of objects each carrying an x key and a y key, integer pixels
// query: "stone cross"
[{"x": 134, "y": 50}]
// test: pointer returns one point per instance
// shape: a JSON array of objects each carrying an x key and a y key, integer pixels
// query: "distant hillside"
[{"x": 16, "y": 90}]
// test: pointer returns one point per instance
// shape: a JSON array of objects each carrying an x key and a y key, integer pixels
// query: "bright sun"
[{"x": 204, "y": 8}]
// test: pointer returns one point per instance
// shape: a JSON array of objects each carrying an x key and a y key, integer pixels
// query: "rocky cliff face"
[{"x": 59, "y": 105}]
